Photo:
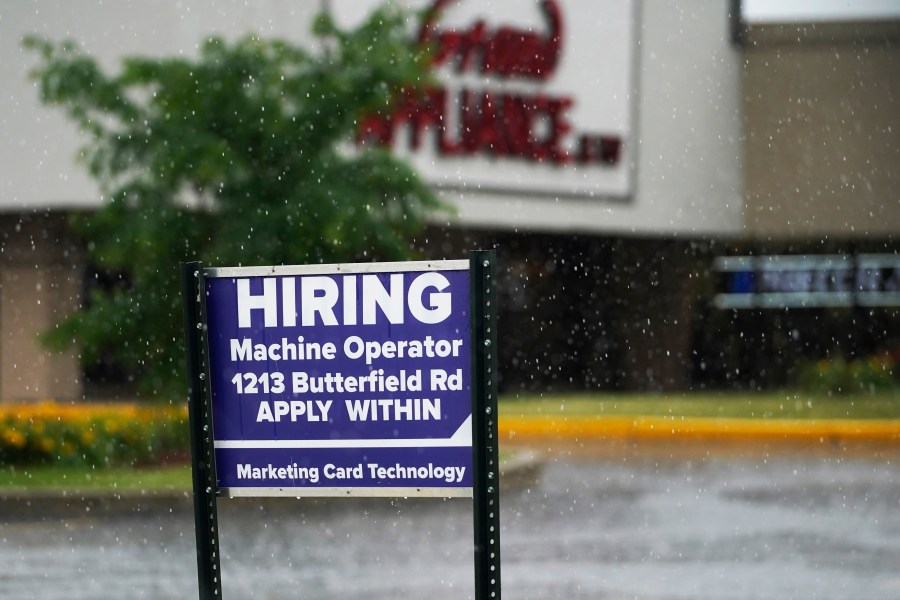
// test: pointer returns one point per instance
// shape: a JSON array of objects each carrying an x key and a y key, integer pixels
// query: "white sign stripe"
[
  {"x": 461, "y": 438},
  {"x": 343, "y": 492},
  {"x": 340, "y": 269},
  {"x": 377, "y": 443}
]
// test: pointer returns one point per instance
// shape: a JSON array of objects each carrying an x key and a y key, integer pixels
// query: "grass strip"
[
  {"x": 769, "y": 405},
  {"x": 49, "y": 477}
]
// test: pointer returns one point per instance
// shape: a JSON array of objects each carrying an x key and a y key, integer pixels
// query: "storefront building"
[
  {"x": 610, "y": 150},
  {"x": 822, "y": 214}
]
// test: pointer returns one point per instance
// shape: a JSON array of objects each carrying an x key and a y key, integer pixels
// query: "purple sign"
[{"x": 334, "y": 380}]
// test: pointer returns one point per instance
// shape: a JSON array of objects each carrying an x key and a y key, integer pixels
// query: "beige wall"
[
  {"x": 40, "y": 281},
  {"x": 822, "y": 111}
]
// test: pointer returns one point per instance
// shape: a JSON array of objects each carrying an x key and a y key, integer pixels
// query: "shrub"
[{"x": 92, "y": 434}]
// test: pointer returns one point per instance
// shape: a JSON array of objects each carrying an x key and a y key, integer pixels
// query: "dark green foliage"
[
  {"x": 878, "y": 373},
  {"x": 238, "y": 156}
]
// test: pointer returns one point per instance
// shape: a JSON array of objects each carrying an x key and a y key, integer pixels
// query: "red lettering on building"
[
  {"x": 497, "y": 124},
  {"x": 504, "y": 52},
  {"x": 517, "y": 125}
]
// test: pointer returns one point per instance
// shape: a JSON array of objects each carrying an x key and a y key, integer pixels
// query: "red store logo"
[
  {"x": 506, "y": 52},
  {"x": 527, "y": 126}
]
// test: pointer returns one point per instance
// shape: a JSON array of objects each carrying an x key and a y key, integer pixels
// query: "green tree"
[{"x": 238, "y": 156}]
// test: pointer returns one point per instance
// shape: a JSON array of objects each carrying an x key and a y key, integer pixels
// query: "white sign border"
[{"x": 340, "y": 492}]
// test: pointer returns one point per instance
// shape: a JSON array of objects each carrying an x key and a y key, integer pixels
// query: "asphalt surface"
[{"x": 601, "y": 521}]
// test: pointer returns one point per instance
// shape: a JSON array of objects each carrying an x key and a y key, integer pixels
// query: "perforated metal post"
[
  {"x": 206, "y": 524},
  {"x": 486, "y": 480}
]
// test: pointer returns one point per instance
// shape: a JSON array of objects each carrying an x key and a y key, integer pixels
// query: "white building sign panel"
[{"x": 532, "y": 97}]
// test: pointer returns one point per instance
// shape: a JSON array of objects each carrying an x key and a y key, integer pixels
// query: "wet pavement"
[{"x": 638, "y": 527}]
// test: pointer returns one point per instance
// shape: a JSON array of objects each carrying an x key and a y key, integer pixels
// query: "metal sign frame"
[
  {"x": 314, "y": 452},
  {"x": 485, "y": 461}
]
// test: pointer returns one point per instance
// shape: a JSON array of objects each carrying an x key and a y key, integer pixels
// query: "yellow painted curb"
[{"x": 586, "y": 427}]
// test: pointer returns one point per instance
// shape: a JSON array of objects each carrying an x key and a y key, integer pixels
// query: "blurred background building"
[{"x": 645, "y": 143}]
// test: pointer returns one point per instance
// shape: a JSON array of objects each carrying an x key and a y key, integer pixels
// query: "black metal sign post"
[
  {"x": 206, "y": 525},
  {"x": 485, "y": 462}
]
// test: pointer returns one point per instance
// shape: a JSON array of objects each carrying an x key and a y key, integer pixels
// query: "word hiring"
[{"x": 320, "y": 296}]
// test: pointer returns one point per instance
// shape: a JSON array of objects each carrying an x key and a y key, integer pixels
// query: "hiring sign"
[
  {"x": 342, "y": 379},
  {"x": 374, "y": 379}
]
